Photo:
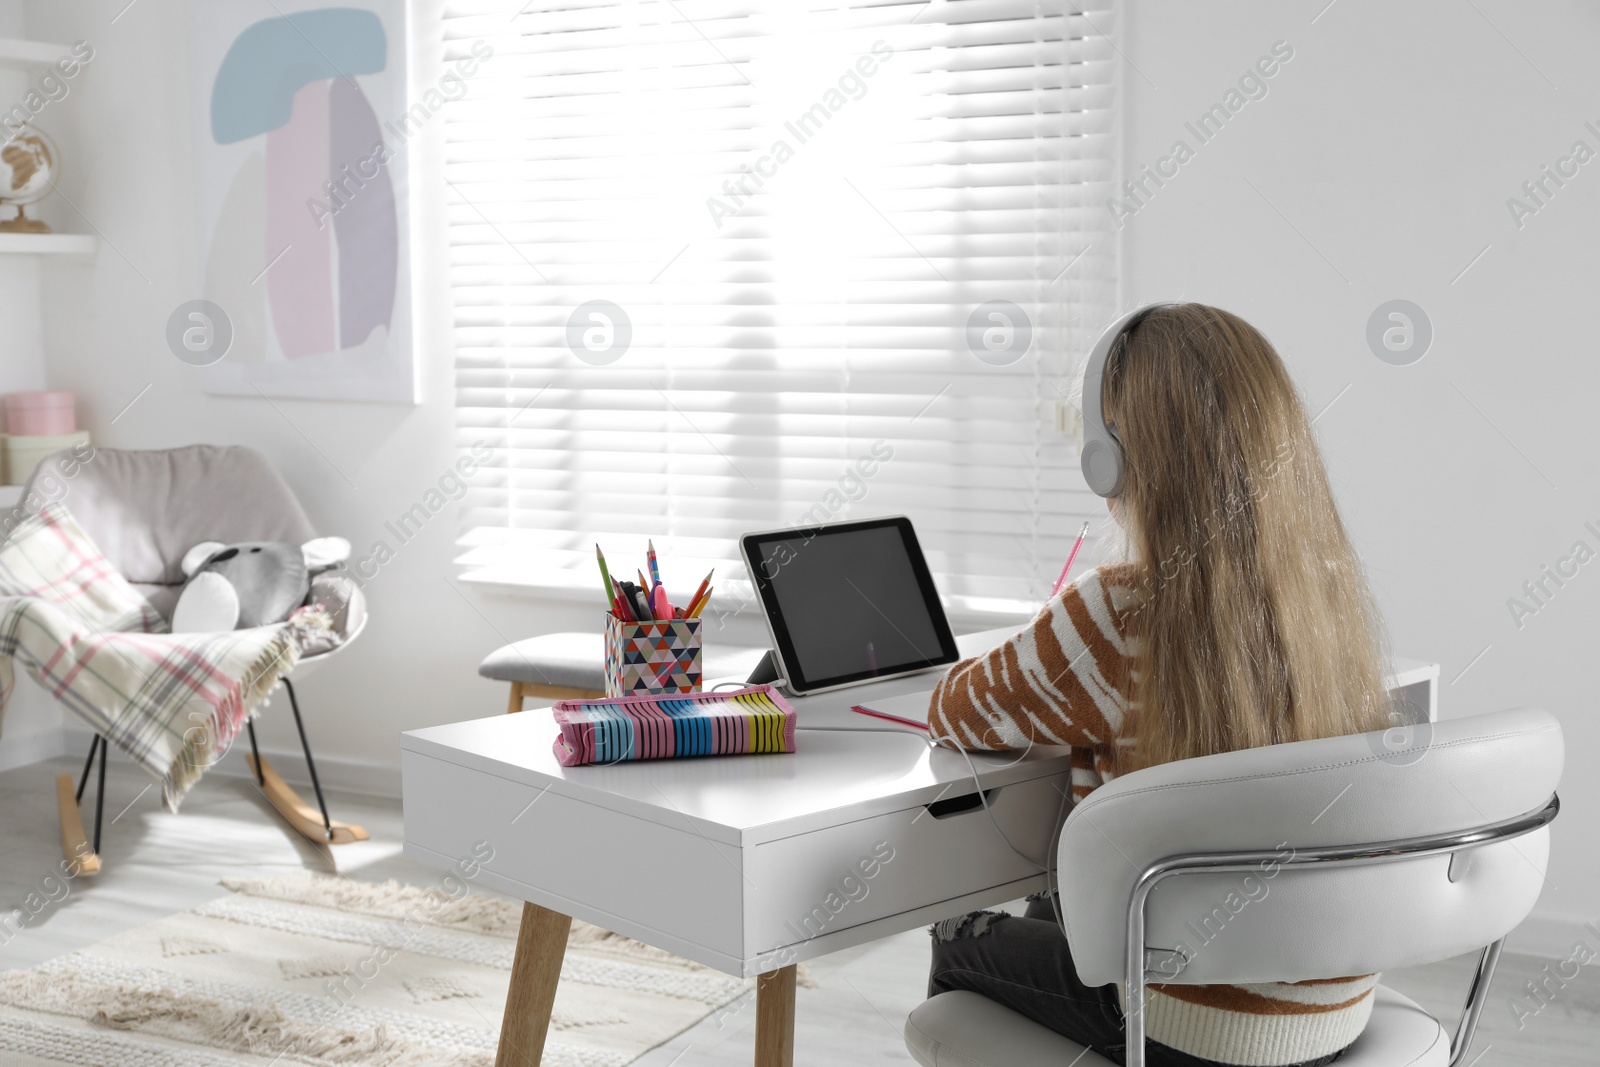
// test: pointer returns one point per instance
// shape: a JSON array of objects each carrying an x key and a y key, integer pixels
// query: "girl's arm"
[{"x": 1063, "y": 680}]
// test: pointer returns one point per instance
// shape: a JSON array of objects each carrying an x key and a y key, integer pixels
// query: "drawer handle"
[{"x": 944, "y": 809}]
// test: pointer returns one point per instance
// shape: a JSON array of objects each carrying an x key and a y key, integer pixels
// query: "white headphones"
[{"x": 1102, "y": 460}]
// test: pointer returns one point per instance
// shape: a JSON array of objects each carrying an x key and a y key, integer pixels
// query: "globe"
[{"x": 29, "y": 168}]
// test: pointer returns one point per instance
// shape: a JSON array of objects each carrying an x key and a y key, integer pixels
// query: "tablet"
[{"x": 848, "y": 602}]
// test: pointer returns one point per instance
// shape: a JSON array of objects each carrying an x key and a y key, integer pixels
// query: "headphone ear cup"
[
  {"x": 1102, "y": 466},
  {"x": 1101, "y": 457}
]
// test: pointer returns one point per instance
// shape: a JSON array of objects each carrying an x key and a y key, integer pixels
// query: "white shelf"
[
  {"x": 15, "y": 52},
  {"x": 61, "y": 244}
]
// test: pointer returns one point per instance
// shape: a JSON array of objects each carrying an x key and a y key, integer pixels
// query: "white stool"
[
  {"x": 571, "y": 666},
  {"x": 561, "y": 666}
]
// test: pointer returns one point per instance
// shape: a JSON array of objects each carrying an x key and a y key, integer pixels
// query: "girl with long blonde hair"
[{"x": 1240, "y": 617}]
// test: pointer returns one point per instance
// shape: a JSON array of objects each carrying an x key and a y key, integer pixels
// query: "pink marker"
[{"x": 1066, "y": 568}]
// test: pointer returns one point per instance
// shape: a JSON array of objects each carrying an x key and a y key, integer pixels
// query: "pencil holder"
[{"x": 652, "y": 657}]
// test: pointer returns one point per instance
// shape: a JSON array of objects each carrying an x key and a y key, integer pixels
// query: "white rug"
[{"x": 318, "y": 970}]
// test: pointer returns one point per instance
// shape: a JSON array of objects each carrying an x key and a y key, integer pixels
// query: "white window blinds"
[{"x": 723, "y": 265}]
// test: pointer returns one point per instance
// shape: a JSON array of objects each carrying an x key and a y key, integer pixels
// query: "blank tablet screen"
[{"x": 850, "y": 602}]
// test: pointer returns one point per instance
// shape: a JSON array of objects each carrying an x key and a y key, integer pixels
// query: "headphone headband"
[{"x": 1104, "y": 466}]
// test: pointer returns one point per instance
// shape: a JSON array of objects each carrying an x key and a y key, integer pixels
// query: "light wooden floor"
[{"x": 158, "y": 864}]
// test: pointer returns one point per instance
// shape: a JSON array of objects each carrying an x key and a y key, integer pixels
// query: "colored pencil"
[
  {"x": 605, "y": 573},
  {"x": 705, "y": 583},
  {"x": 700, "y": 605},
  {"x": 655, "y": 567},
  {"x": 1067, "y": 566}
]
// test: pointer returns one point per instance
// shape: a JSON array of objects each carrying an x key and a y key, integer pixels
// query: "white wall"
[
  {"x": 1389, "y": 143},
  {"x": 21, "y": 332},
  {"x": 30, "y": 727},
  {"x": 21, "y": 340}
]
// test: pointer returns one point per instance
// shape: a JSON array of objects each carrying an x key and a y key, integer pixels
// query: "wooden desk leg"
[
  {"x": 775, "y": 1018},
  {"x": 541, "y": 942},
  {"x": 521, "y": 691}
]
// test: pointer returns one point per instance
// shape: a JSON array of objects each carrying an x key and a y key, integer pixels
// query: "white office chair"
[{"x": 1407, "y": 851}]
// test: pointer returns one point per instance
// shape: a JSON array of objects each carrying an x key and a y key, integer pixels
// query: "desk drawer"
[
  {"x": 829, "y": 880},
  {"x": 669, "y": 887}
]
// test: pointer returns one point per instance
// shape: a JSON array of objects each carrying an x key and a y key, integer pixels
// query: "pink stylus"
[{"x": 1066, "y": 567}]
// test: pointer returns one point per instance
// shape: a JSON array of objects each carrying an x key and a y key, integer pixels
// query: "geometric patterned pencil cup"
[{"x": 651, "y": 658}]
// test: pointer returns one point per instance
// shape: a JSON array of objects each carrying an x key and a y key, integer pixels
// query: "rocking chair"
[{"x": 145, "y": 509}]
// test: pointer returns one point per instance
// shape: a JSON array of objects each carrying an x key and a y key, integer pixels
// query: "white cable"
[
  {"x": 1052, "y": 884},
  {"x": 972, "y": 768},
  {"x": 1052, "y": 888},
  {"x": 862, "y": 730},
  {"x": 936, "y": 742},
  {"x": 1048, "y": 870}
]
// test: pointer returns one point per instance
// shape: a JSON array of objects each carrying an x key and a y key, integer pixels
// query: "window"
[{"x": 721, "y": 266}]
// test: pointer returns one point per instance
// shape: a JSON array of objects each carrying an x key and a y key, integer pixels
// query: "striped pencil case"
[{"x": 740, "y": 721}]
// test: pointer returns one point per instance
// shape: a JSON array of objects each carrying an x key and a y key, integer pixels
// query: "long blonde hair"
[{"x": 1256, "y": 624}]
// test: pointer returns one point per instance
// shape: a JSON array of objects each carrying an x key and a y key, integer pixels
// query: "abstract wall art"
[{"x": 300, "y": 127}]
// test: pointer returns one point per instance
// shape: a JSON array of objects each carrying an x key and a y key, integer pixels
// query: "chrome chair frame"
[{"x": 1137, "y": 971}]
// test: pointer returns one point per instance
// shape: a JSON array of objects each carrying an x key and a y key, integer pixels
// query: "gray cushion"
[
  {"x": 145, "y": 509},
  {"x": 577, "y": 661},
  {"x": 343, "y": 599},
  {"x": 963, "y": 1029},
  {"x": 163, "y": 598}
]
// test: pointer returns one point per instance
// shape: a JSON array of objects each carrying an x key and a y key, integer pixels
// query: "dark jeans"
[{"x": 1026, "y": 965}]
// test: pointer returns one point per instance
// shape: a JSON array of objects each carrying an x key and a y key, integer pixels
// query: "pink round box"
[{"x": 41, "y": 413}]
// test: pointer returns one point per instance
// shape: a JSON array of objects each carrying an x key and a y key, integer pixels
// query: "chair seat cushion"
[
  {"x": 577, "y": 661},
  {"x": 164, "y": 598},
  {"x": 963, "y": 1029},
  {"x": 573, "y": 660},
  {"x": 1399, "y": 1034}
]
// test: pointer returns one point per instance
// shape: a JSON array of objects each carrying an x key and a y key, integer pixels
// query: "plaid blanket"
[{"x": 173, "y": 702}]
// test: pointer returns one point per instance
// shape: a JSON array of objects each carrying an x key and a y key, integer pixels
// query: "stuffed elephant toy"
[{"x": 254, "y": 583}]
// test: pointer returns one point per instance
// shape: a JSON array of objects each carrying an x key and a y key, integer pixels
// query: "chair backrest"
[
  {"x": 1283, "y": 924},
  {"x": 145, "y": 509}
]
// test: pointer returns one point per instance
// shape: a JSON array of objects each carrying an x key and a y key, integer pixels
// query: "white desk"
[{"x": 747, "y": 864}]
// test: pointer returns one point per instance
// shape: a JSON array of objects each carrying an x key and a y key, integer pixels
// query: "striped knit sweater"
[{"x": 1066, "y": 680}]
